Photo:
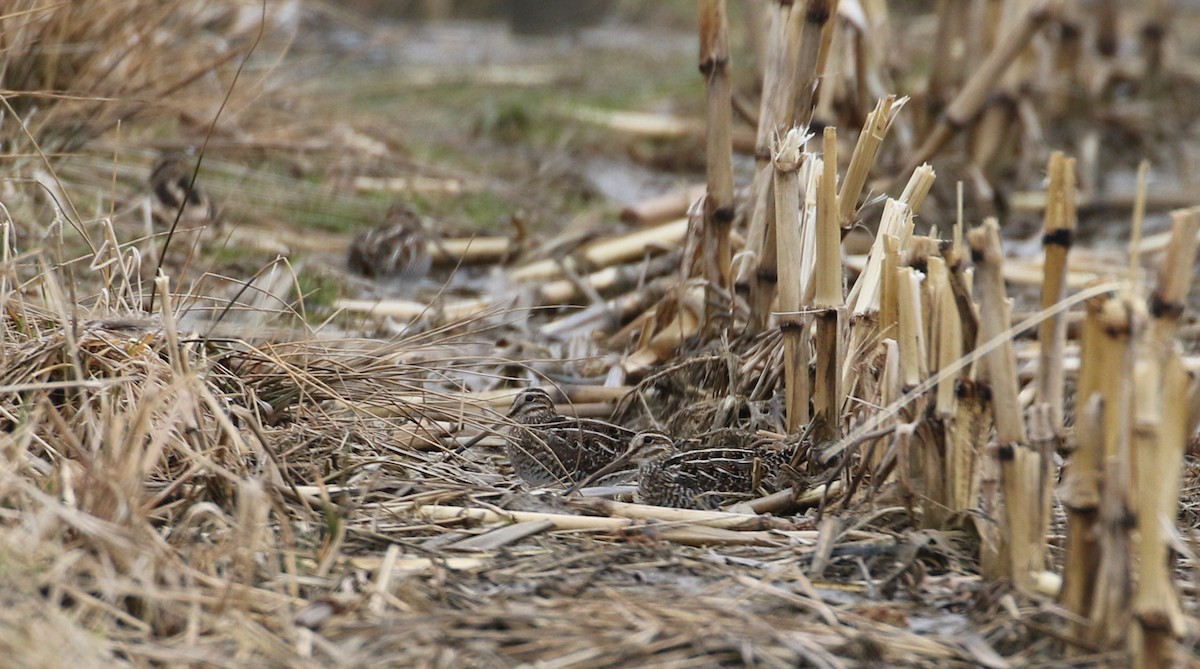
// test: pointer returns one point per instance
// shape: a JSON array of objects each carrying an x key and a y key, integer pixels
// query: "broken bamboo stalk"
[
  {"x": 1139, "y": 221},
  {"x": 613, "y": 313},
  {"x": 773, "y": 117},
  {"x": 712, "y": 529},
  {"x": 817, "y": 18},
  {"x": 469, "y": 250},
  {"x": 863, "y": 159},
  {"x": 1160, "y": 434},
  {"x": 910, "y": 331},
  {"x": 828, "y": 299},
  {"x": 896, "y": 220},
  {"x": 663, "y": 208},
  {"x": 918, "y": 187},
  {"x": 786, "y": 103},
  {"x": 618, "y": 278},
  {"x": 948, "y": 346},
  {"x": 1080, "y": 489},
  {"x": 1057, "y": 234},
  {"x": 792, "y": 322},
  {"x": 408, "y": 309},
  {"x": 633, "y": 246},
  {"x": 1121, "y": 319},
  {"x": 718, "y": 202},
  {"x": 1021, "y": 471}
]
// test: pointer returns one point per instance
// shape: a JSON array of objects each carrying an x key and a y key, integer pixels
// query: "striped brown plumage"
[
  {"x": 169, "y": 183},
  {"x": 708, "y": 472},
  {"x": 398, "y": 248},
  {"x": 546, "y": 448}
]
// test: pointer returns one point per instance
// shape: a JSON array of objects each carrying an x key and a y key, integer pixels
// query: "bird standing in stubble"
[
  {"x": 173, "y": 189},
  {"x": 398, "y": 248},
  {"x": 547, "y": 448}
]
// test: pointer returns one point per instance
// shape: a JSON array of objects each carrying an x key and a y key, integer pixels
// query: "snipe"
[
  {"x": 704, "y": 473},
  {"x": 547, "y": 448},
  {"x": 396, "y": 249},
  {"x": 175, "y": 194}
]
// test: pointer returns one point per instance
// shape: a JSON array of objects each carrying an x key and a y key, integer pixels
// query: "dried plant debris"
[
  {"x": 397, "y": 249},
  {"x": 685, "y": 444}
]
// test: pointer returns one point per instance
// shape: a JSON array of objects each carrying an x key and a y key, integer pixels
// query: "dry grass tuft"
[
  {"x": 162, "y": 489},
  {"x": 181, "y": 491},
  {"x": 73, "y": 70}
]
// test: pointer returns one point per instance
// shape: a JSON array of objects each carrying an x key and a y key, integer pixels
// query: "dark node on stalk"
[
  {"x": 1107, "y": 45},
  {"x": 1160, "y": 308},
  {"x": 713, "y": 64},
  {"x": 724, "y": 215},
  {"x": 767, "y": 275},
  {"x": 1117, "y": 330},
  {"x": 1006, "y": 452},
  {"x": 818, "y": 11},
  {"x": 1153, "y": 31},
  {"x": 1063, "y": 237},
  {"x": 1129, "y": 520}
]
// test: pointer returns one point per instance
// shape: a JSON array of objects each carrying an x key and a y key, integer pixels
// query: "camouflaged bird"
[
  {"x": 175, "y": 194},
  {"x": 707, "y": 472},
  {"x": 547, "y": 448},
  {"x": 397, "y": 249}
]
